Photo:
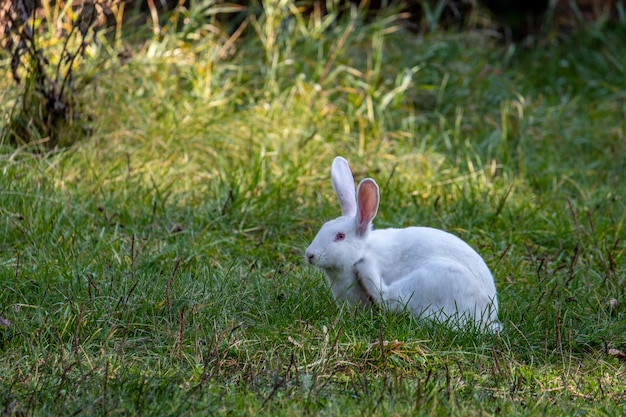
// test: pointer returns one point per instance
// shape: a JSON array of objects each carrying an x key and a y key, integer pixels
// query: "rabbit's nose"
[{"x": 310, "y": 257}]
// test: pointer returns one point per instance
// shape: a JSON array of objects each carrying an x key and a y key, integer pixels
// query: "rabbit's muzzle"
[{"x": 310, "y": 257}]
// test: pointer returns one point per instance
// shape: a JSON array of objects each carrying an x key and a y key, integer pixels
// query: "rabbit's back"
[
  {"x": 430, "y": 272},
  {"x": 401, "y": 251}
]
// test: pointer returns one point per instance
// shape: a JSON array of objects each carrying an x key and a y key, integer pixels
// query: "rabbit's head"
[{"x": 340, "y": 243}]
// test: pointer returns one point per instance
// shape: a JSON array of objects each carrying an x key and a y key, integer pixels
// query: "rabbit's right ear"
[
  {"x": 343, "y": 184},
  {"x": 367, "y": 206}
]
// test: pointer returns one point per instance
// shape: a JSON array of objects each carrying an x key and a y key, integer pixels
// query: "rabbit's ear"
[
  {"x": 367, "y": 205},
  {"x": 343, "y": 184}
]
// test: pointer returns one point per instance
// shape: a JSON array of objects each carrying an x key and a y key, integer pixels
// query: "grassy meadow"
[{"x": 156, "y": 266}]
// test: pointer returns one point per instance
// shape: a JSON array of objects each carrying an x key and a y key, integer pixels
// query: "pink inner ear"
[{"x": 367, "y": 203}]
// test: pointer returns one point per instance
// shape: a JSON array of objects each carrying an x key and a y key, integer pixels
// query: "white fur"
[{"x": 432, "y": 273}]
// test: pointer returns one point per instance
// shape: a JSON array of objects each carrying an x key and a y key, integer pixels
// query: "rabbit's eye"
[{"x": 340, "y": 236}]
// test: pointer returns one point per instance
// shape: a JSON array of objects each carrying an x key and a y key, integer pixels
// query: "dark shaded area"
[
  {"x": 47, "y": 108},
  {"x": 517, "y": 18}
]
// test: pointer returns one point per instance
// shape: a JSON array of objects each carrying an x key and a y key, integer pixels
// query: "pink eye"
[{"x": 340, "y": 236}]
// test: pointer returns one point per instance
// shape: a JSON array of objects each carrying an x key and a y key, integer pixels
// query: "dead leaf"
[
  {"x": 617, "y": 353},
  {"x": 176, "y": 228}
]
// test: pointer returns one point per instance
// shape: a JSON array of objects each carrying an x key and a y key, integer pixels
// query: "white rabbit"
[{"x": 432, "y": 273}]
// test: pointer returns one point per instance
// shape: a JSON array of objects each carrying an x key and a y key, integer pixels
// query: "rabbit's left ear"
[
  {"x": 343, "y": 184},
  {"x": 367, "y": 205}
]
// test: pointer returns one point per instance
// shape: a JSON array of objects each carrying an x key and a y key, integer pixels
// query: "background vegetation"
[{"x": 155, "y": 266}]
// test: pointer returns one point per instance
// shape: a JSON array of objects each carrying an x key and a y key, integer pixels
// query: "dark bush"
[{"x": 45, "y": 51}]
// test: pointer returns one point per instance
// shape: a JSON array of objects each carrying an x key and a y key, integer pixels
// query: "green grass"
[{"x": 156, "y": 267}]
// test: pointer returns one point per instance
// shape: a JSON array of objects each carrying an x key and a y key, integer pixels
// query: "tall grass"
[{"x": 156, "y": 267}]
